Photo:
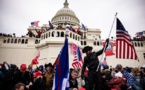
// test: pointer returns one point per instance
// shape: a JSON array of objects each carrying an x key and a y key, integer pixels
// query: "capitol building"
[{"x": 18, "y": 50}]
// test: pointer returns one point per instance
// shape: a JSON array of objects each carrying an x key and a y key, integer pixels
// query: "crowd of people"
[
  {"x": 7, "y": 35},
  {"x": 41, "y": 78},
  {"x": 43, "y": 30},
  {"x": 92, "y": 75},
  {"x": 59, "y": 27}
]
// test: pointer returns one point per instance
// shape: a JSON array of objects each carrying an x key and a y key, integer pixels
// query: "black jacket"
[
  {"x": 73, "y": 83},
  {"x": 39, "y": 84},
  {"x": 91, "y": 61},
  {"x": 22, "y": 77}
]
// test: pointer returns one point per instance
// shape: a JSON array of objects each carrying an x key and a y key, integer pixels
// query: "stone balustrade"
[{"x": 60, "y": 33}]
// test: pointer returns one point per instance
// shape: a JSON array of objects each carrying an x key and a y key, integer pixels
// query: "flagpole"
[{"x": 105, "y": 43}]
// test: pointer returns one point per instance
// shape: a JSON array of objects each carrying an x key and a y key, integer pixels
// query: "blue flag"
[
  {"x": 83, "y": 27},
  {"x": 50, "y": 25},
  {"x": 61, "y": 79},
  {"x": 79, "y": 54}
]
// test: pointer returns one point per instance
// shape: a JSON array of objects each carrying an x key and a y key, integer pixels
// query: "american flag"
[
  {"x": 35, "y": 23},
  {"x": 124, "y": 46},
  {"x": 77, "y": 61},
  {"x": 139, "y": 34},
  {"x": 105, "y": 62}
]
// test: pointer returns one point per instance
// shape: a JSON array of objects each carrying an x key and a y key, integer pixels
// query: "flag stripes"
[
  {"x": 76, "y": 63},
  {"x": 35, "y": 23},
  {"x": 124, "y": 46}
]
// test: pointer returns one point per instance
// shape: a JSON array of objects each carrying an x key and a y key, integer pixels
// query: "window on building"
[
  {"x": 73, "y": 36},
  {"x": 135, "y": 44},
  {"x": 95, "y": 43},
  {"x": 5, "y": 41},
  {"x": 76, "y": 37},
  {"x": 46, "y": 35},
  {"x": 98, "y": 43},
  {"x": 8, "y": 40},
  {"x": 62, "y": 34},
  {"x": 81, "y": 42},
  {"x": 138, "y": 44},
  {"x": 11, "y": 40},
  {"x": 15, "y": 41},
  {"x": 53, "y": 34},
  {"x": 26, "y": 41},
  {"x": 141, "y": 44},
  {"x": 85, "y": 43},
  {"x": 22, "y": 41},
  {"x": 70, "y": 35},
  {"x": 57, "y": 34},
  {"x": 36, "y": 42}
]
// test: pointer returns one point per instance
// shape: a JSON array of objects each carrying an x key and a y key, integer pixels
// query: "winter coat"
[
  {"x": 49, "y": 80},
  {"x": 117, "y": 83},
  {"x": 39, "y": 84}
]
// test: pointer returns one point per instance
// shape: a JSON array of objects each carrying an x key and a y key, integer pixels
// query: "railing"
[{"x": 60, "y": 33}]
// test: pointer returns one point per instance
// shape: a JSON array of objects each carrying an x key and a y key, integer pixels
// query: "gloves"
[{"x": 107, "y": 41}]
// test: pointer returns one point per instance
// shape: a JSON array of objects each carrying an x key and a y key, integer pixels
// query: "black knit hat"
[{"x": 86, "y": 49}]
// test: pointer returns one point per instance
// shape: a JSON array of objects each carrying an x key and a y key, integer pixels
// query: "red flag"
[
  {"x": 35, "y": 60},
  {"x": 109, "y": 50},
  {"x": 124, "y": 47},
  {"x": 78, "y": 29}
]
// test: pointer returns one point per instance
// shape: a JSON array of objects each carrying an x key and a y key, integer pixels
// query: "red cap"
[
  {"x": 23, "y": 67},
  {"x": 82, "y": 88},
  {"x": 37, "y": 74}
]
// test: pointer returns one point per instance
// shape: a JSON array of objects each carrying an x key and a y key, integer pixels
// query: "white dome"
[
  {"x": 65, "y": 15},
  {"x": 65, "y": 11}
]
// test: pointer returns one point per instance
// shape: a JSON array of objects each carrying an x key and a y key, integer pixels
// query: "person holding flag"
[{"x": 91, "y": 61}]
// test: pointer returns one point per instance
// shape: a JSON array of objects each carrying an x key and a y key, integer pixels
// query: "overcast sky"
[{"x": 16, "y": 15}]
